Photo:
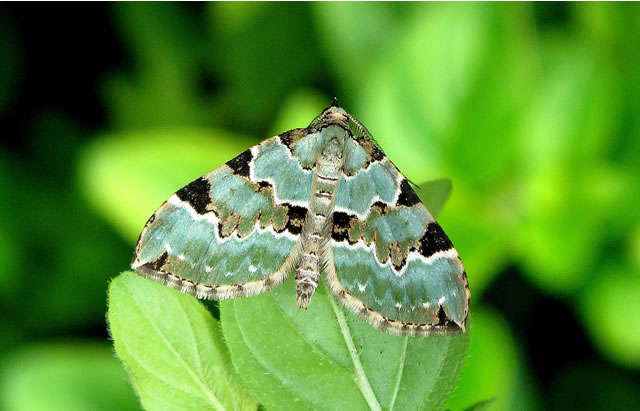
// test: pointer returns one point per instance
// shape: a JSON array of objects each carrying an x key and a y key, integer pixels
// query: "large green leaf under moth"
[
  {"x": 327, "y": 358},
  {"x": 294, "y": 359}
]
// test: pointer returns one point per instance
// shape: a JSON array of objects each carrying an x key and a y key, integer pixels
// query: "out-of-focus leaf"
[
  {"x": 298, "y": 110},
  {"x": 169, "y": 55},
  {"x": 613, "y": 28},
  {"x": 351, "y": 35},
  {"x": 172, "y": 348},
  {"x": 634, "y": 248},
  {"x": 280, "y": 351},
  {"x": 11, "y": 251},
  {"x": 259, "y": 57},
  {"x": 481, "y": 405},
  {"x": 148, "y": 167},
  {"x": 429, "y": 100},
  {"x": 564, "y": 138},
  {"x": 610, "y": 308},
  {"x": 434, "y": 194},
  {"x": 66, "y": 259},
  {"x": 592, "y": 387},
  {"x": 491, "y": 366},
  {"x": 64, "y": 376}
]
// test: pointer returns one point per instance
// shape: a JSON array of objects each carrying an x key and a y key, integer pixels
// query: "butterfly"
[{"x": 322, "y": 202}]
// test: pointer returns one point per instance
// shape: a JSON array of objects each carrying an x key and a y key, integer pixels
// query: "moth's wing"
[
  {"x": 388, "y": 260},
  {"x": 235, "y": 231}
]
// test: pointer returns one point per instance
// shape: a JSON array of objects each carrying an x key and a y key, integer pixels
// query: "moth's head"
[
  {"x": 332, "y": 115},
  {"x": 336, "y": 115}
]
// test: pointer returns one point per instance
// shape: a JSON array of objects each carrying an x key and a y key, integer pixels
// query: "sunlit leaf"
[
  {"x": 352, "y": 30},
  {"x": 611, "y": 310},
  {"x": 565, "y": 132}
]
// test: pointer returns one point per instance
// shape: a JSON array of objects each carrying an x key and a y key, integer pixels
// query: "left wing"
[{"x": 235, "y": 231}]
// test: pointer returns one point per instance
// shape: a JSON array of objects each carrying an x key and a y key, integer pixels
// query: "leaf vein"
[
  {"x": 403, "y": 359},
  {"x": 360, "y": 376}
]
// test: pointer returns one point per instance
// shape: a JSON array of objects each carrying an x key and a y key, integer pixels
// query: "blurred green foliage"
[
  {"x": 532, "y": 111},
  {"x": 65, "y": 376}
]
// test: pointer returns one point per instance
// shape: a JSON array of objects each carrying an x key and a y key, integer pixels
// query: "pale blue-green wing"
[
  {"x": 390, "y": 262},
  {"x": 235, "y": 231}
]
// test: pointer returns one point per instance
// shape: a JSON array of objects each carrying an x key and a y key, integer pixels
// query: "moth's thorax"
[
  {"x": 337, "y": 116},
  {"x": 333, "y": 116}
]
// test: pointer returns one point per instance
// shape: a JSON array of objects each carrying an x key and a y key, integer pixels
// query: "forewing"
[
  {"x": 389, "y": 260},
  {"x": 234, "y": 231}
]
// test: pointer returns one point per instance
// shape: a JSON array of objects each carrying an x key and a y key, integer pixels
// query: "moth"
[{"x": 321, "y": 202}]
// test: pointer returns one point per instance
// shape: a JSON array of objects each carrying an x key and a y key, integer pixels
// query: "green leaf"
[
  {"x": 610, "y": 307},
  {"x": 593, "y": 385},
  {"x": 298, "y": 109},
  {"x": 240, "y": 44},
  {"x": 172, "y": 348},
  {"x": 353, "y": 29},
  {"x": 481, "y": 405},
  {"x": 434, "y": 194},
  {"x": 165, "y": 49},
  {"x": 64, "y": 376},
  {"x": 565, "y": 136}
]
